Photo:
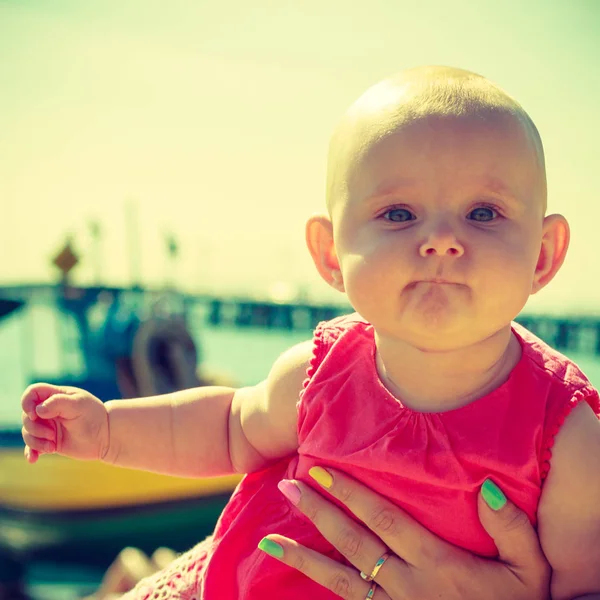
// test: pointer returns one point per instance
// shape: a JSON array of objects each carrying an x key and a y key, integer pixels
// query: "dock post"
[
  {"x": 561, "y": 341},
  {"x": 214, "y": 313}
]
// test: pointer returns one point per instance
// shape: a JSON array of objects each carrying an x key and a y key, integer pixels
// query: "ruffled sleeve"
[
  {"x": 317, "y": 354},
  {"x": 325, "y": 335}
]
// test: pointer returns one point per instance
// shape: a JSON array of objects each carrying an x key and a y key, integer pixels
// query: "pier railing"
[{"x": 575, "y": 333}]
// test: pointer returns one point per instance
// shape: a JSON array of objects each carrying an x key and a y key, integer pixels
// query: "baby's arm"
[
  {"x": 210, "y": 431},
  {"x": 569, "y": 510},
  {"x": 263, "y": 427}
]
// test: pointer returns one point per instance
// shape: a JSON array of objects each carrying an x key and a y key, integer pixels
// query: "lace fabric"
[{"x": 179, "y": 581}]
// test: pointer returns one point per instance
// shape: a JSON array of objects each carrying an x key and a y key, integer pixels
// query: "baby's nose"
[{"x": 441, "y": 240}]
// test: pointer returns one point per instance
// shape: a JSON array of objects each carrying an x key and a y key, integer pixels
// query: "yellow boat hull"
[{"x": 56, "y": 483}]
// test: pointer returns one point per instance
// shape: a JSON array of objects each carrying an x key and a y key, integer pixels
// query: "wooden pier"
[
  {"x": 244, "y": 313},
  {"x": 569, "y": 333},
  {"x": 574, "y": 333}
]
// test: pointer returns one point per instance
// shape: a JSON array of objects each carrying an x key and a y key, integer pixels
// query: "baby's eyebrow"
[
  {"x": 387, "y": 188},
  {"x": 487, "y": 184},
  {"x": 391, "y": 188},
  {"x": 496, "y": 186}
]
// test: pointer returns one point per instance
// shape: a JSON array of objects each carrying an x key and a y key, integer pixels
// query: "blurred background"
[{"x": 157, "y": 164}]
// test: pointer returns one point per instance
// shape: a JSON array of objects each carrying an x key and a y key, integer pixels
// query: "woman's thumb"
[{"x": 508, "y": 526}]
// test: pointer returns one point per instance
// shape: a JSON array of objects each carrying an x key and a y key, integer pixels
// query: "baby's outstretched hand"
[{"x": 63, "y": 420}]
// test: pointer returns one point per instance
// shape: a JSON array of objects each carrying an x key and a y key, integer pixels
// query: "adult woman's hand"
[{"x": 419, "y": 564}]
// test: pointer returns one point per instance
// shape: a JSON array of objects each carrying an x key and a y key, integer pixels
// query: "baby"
[{"x": 437, "y": 233}]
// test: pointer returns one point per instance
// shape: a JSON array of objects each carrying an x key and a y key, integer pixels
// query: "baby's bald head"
[{"x": 414, "y": 95}]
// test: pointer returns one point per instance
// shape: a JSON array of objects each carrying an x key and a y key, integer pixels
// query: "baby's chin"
[
  {"x": 432, "y": 318},
  {"x": 436, "y": 342},
  {"x": 440, "y": 332},
  {"x": 448, "y": 333}
]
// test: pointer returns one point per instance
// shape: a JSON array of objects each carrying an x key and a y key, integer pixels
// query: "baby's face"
[{"x": 439, "y": 232}]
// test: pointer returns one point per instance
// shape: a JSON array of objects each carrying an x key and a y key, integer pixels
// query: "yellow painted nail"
[{"x": 321, "y": 476}]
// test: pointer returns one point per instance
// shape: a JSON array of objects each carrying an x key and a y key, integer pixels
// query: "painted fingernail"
[
  {"x": 270, "y": 547},
  {"x": 290, "y": 490},
  {"x": 321, "y": 476},
  {"x": 493, "y": 495}
]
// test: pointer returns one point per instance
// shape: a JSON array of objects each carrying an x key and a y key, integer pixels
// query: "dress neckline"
[{"x": 500, "y": 390}]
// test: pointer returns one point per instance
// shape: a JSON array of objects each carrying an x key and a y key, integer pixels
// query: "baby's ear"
[
  {"x": 319, "y": 239},
  {"x": 555, "y": 242}
]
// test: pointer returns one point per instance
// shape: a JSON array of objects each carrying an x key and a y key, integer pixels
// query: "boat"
[{"x": 120, "y": 342}]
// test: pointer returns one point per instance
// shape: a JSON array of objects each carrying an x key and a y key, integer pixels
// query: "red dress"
[{"x": 430, "y": 464}]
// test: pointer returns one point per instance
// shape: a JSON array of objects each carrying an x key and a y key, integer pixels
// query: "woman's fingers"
[
  {"x": 340, "y": 579},
  {"x": 394, "y": 527},
  {"x": 516, "y": 539},
  {"x": 355, "y": 542},
  {"x": 420, "y": 564}
]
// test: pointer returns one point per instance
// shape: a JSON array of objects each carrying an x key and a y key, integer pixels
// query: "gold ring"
[
  {"x": 376, "y": 568},
  {"x": 371, "y": 592}
]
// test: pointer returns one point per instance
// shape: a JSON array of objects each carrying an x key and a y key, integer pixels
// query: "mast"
[
  {"x": 131, "y": 223},
  {"x": 96, "y": 233}
]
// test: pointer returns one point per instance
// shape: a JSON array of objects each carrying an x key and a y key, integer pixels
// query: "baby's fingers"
[
  {"x": 36, "y": 394},
  {"x": 31, "y": 456},
  {"x": 42, "y": 445},
  {"x": 61, "y": 405},
  {"x": 38, "y": 438},
  {"x": 39, "y": 429}
]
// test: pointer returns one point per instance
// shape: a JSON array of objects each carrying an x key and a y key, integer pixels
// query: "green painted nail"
[
  {"x": 270, "y": 547},
  {"x": 493, "y": 495}
]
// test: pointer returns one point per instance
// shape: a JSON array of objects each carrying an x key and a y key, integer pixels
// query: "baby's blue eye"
[
  {"x": 483, "y": 213},
  {"x": 398, "y": 215}
]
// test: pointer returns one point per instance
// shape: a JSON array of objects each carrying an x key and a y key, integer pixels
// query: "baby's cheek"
[{"x": 370, "y": 285}]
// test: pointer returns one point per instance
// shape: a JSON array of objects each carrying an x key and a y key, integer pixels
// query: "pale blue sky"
[{"x": 213, "y": 118}]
